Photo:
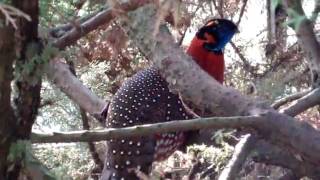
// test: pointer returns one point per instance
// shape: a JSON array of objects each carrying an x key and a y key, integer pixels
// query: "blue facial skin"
[
  {"x": 221, "y": 42},
  {"x": 223, "y": 32}
]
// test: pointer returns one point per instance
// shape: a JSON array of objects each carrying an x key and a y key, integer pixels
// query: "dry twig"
[{"x": 11, "y": 13}]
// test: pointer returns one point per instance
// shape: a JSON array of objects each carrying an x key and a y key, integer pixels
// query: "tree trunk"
[
  {"x": 7, "y": 119},
  {"x": 28, "y": 82}
]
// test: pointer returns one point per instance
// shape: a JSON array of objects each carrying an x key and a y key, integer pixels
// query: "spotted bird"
[{"x": 145, "y": 98}]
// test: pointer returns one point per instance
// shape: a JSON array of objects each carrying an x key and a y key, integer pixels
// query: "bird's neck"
[{"x": 211, "y": 62}]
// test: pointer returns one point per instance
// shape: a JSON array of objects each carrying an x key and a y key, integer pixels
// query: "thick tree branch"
[
  {"x": 309, "y": 100},
  {"x": 59, "y": 73},
  {"x": 269, "y": 154},
  {"x": 246, "y": 141},
  {"x": 289, "y": 176},
  {"x": 197, "y": 86},
  {"x": 59, "y": 31},
  {"x": 182, "y": 58},
  {"x": 103, "y": 17},
  {"x": 242, "y": 150},
  {"x": 306, "y": 38},
  {"x": 235, "y": 164},
  {"x": 277, "y": 104},
  {"x": 85, "y": 124},
  {"x": 76, "y": 33},
  {"x": 147, "y": 129}
]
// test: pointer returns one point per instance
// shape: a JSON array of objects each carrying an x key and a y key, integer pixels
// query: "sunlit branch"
[
  {"x": 309, "y": 100},
  {"x": 288, "y": 99},
  {"x": 146, "y": 129},
  {"x": 241, "y": 151}
]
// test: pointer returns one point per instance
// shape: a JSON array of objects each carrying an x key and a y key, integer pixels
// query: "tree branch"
[
  {"x": 11, "y": 13},
  {"x": 309, "y": 100},
  {"x": 92, "y": 148},
  {"x": 277, "y": 104},
  {"x": 315, "y": 11},
  {"x": 244, "y": 110},
  {"x": 242, "y": 150},
  {"x": 85, "y": 124},
  {"x": 243, "y": 8},
  {"x": 147, "y": 129},
  {"x": 205, "y": 92},
  {"x": 306, "y": 38},
  {"x": 60, "y": 30},
  {"x": 246, "y": 65},
  {"x": 59, "y": 73},
  {"x": 240, "y": 155},
  {"x": 92, "y": 23},
  {"x": 289, "y": 176},
  {"x": 272, "y": 155}
]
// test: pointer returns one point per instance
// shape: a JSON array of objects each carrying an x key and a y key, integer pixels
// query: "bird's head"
[
  {"x": 216, "y": 33},
  {"x": 207, "y": 46}
]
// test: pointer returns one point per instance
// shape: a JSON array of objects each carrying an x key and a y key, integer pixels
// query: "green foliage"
[
  {"x": 66, "y": 161},
  {"x": 21, "y": 151},
  {"x": 60, "y": 114},
  {"x": 94, "y": 77},
  {"x": 296, "y": 19},
  {"x": 34, "y": 164},
  {"x": 5, "y": 1},
  {"x": 104, "y": 74},
  {"x": 217, "y": 156},
  {"x": 18, "y": 150},
  {"x": 55, "y": 12},
  {"x": 33, "y": 69}
]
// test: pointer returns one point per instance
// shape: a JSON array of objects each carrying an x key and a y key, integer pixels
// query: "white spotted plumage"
[{"x": 143, "y": 99}]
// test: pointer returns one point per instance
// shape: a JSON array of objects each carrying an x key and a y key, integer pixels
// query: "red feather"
[{"x": 212, "y": 63}]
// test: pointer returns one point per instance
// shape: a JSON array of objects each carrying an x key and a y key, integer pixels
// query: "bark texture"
[
  {"x": 29, "y": 83},
  {"x": 7, "y": 118},
  {"x": 195, "y": 85},
  {"x": 306, "y": 37}
]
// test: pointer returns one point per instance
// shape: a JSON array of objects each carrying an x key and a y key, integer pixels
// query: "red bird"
[{"x": 145, "y": 98}]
